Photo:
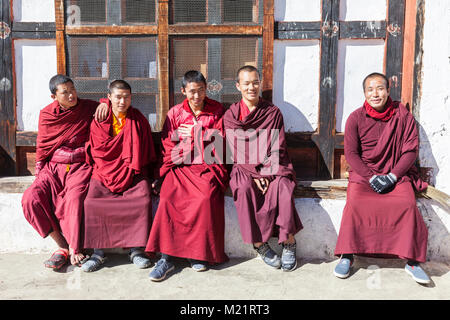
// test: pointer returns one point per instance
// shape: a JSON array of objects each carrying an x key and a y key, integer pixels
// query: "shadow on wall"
[{"x": 428, "y": 168}]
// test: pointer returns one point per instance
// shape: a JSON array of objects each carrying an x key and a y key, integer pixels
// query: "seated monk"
[
  {"x": 381, "y": 217},
  {"x": 190, "y": 220},
  {"x": 53, "y": 204},
  {"x": 262, "y": 179},
  {"x": 117, "y": 208}
]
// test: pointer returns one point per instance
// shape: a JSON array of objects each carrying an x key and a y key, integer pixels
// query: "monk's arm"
[{"x": 352, "y": 149}]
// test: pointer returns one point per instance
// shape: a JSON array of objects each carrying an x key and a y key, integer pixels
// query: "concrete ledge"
[{"x": 319, "y": 204}]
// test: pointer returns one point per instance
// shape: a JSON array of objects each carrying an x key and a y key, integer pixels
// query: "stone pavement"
[{"x": 22, "y": 276}]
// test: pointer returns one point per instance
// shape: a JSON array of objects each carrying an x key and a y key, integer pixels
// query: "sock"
[
  {"x": 165, "y": 256},
  {"x": 99, "y": 252},
  {"x": 412, "y": 263},
  {"x": 348, "y": 256}
]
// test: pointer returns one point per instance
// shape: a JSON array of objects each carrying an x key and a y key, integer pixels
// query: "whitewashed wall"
[
  {"x": 434, "y": 105},
  {"x": 34, "y": 10}
]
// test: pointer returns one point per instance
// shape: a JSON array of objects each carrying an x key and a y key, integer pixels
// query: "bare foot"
[{"x": 75, "y": 257}]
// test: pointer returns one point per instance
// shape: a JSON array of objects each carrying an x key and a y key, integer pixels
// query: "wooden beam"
[
  {"x": 394, "y": 46},
  {"x": 324, "y": 138},
  {"x": 362, "y": 29},
  {"x": 112, "y": 30},
  {"x": 268, "y": 38},
  {"x": 163, "y": 62},
  {"x": 297, "y": 30},
  {"x": 7, "y": 114},
  {"x": 60, "y": 38},
  {"x": 418, "y": 59},
  {"x": 408, "y": 52},
  {"x": 215, "y": 30}
]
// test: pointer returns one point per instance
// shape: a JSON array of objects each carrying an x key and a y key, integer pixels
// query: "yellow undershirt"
[{"x": 116, "y": 126}]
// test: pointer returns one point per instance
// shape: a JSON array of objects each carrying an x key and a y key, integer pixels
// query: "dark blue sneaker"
[
  {"x": 417, "y": 273},
  {"x": 342, "y": 269},
  {"x": 289, "y": 257},
  {"x": 160, "y": 271},
  {"x": 268, "y": 255}
]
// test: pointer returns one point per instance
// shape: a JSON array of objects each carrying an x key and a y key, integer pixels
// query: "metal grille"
[
  {"x": 119, "y": 12},
  {"x": 93, "y": 62},
  {"x": 218, "y": 59},
  {"x": 216, "y": 11}
]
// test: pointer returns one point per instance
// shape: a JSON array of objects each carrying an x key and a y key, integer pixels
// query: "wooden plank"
[
  {"x": 59, "y": 15},
  {"x": 362, "y": 29},
  {"x": 60, "y": 52},
  {"x": 408, "y": 52},
  {"x": 394, "y": 46},
  {"x": 297, "y": 30},
  {"x": 268, "y": 38},
  {"x": 7, "y": 115},
  {"x": 215, "y": 30},
  {"x": 112, "y": 30},
  {"x": 163, "y": 62},
  {"x": 324, "y": 138},
  {"x": 26, "y": 138},
  {"x": 34, "y": 26}
]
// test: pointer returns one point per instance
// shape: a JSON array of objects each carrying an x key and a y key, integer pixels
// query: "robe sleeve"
[{"x": 352, "y": 149}]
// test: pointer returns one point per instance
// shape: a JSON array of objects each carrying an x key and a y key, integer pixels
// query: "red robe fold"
[
  {"x": 54, "y": 202},
  {"x": 190, "y": 221},
  {"x": 382, "y": 224},
  {"x": 259, "y": 215},
  {"x": 118, "y": 204}
]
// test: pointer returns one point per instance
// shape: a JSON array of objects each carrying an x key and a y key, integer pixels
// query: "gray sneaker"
[
  {"x": 160, "y": 271},
  {"x": 197, "y": 265},
  {"x": 289, "y": 257},
  {"x": 268, "y": 255},
  {"x": 417, "y": 273},
  {"x": 139, "y": 259},
  {"x": 342, "y": 269}
]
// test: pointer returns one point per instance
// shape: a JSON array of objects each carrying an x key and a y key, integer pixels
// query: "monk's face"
[
  {"x": 195, "y": 92},
  {"x": 66, "y": 95},
  {"x": 376, "y": 92},
  {"x": 120, "y": 100},
  {"x": 249, "y": 85}
]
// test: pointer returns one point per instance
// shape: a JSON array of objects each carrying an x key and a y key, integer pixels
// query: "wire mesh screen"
[
  {"x": 119, "y": 12},
  {"x": 93, "y": 62},
  {"x": 218, "y": 59},
  {"x": 216, "y": 11}
]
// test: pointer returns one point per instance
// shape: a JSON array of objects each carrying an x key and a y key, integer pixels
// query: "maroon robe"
[
  {"x": 118, "y": 205},
  {"x": 260, "y": 215},
  {"x": 382, "y": 224},
  {"x": 190, "y": 220},
  {"x": 54, "y": 201}
]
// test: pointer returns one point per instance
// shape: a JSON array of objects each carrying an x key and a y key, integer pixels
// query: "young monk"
[
  {"x": 189, "y": 222},
  {"x": 262, "y": 189},
  {"x": 381, "y": 216},
  {"x": 118, "y": 205},
  {"x": 53, "y": 204}
]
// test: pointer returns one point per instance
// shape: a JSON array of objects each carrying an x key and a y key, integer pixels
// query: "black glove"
[{"x": 383, "y": 184}]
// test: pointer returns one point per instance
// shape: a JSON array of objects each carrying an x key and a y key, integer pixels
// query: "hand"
[
  {"x": 185, "y": 130},
  {"x": 383, "y": 184},
  {"x": 156, "y": 186},
  {"x": 101, "y": 113},
  {"x": 262, "y": 184}
]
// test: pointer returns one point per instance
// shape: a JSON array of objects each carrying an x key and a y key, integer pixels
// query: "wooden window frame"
[{"x": 406, "y": 13}]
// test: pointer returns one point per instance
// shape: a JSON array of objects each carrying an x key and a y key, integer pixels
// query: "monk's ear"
[
  {"x": 183, "y": 90},
  {"x": 109, "y": 96},
  {"x": 53, "y": 96},
  {"x": 237, "y": 86}
]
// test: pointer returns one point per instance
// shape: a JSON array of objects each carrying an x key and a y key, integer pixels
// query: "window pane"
[
  {"x": 237, "y": 52},
  {"x": 139, "y": 11},
  {"x": 140, "y": 57},
  {"x": 189, "y": 54},
  {"x": 85, "y": 11},
  {"x": 240, "y": 11},
  {"x": 146, "y": 103},
  {"x": 189, "y": 11},
  {"x": 87, "y": 58}
]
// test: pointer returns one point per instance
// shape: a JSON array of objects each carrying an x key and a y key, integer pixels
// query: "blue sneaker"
[
  {"x": 160, "y": 271},
  {"x": 342, "y": 270},
  {"x": 417, "y": 273},
  {"x": 268, "y": 255},
  {"x": 289, "y": 257},
  {"x": 197, "y": 265},
  {"x": 138, "y": 258}
]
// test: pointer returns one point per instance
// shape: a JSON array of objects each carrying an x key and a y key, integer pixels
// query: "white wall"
[
  {"x": 297, "y": 10},
  {"x": 434, "y": 105},
  {"x": 35, "y": 64},
  {"x": 34, "y": 10},
  {"x": 362, "y": 10}
]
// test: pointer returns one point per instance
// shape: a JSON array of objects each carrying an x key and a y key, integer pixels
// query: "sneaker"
[
  {"x": 289, "y": 257},
  {"x": 138, "y": 257},
  {"x": 268, "y": 255},
  {"x": 94, "y": 263},
  {"x": 417, "y": 273},
  {"x": 160, "y": 271},
  {"x": 342, "y": 269},
  {"x": 197, "y": 265}
]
